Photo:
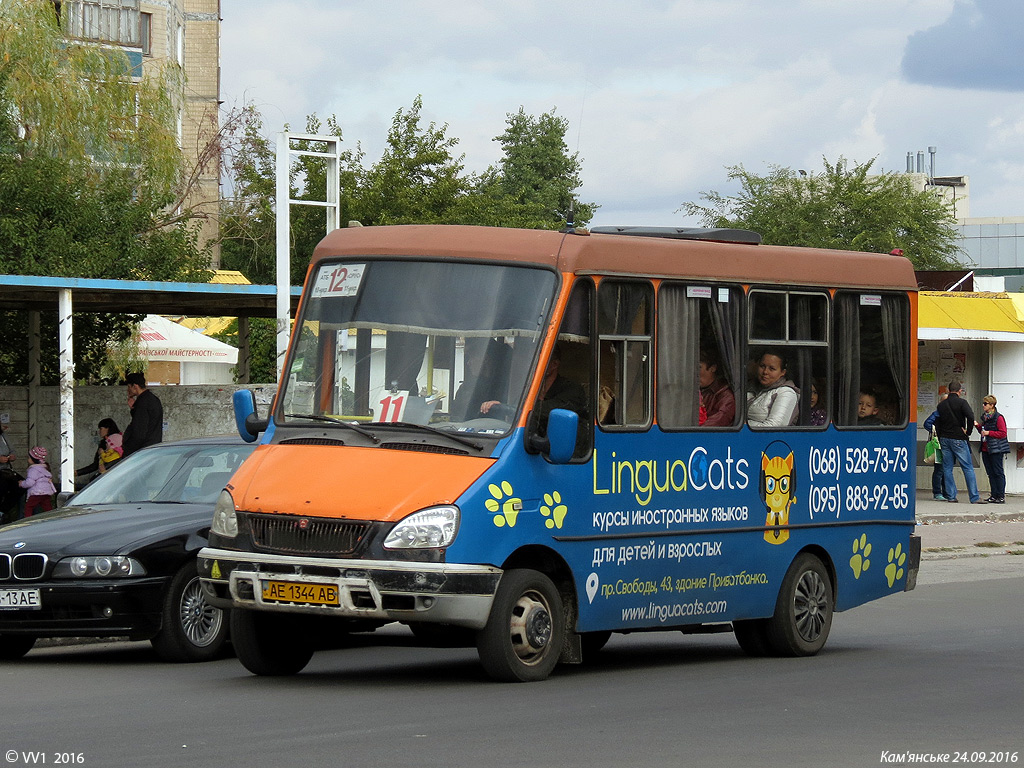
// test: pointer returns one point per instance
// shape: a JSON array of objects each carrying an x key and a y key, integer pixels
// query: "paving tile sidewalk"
[{"x": 969, "y": 530}]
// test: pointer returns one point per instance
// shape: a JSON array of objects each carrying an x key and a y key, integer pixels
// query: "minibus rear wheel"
[
  {"x": 803, "y": 611},
  {"x": 523, "y": 636},
  {"x": 270, "y": 644}
]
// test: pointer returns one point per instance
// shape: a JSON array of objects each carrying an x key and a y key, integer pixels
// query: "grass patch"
[
  {"x": 1015, "y": 551},
  {"x": 994, "y": 544}
]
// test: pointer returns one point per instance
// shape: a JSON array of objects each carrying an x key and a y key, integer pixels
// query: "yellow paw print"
[
  {"x": 894, "y": 570},
  {"x": 504, "y": 504},
  {"x": 553, "y": 509},
  {"x": 859, "y": 562}
]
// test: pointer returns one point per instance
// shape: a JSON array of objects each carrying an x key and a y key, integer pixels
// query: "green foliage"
[
  {"x": 844, "y": 208},
  {"x": 262, "y": 347}
]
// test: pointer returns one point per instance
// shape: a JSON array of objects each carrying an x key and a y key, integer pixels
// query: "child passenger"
[
  {"x": 867, "y": 410},
  {"x": 38, "y": 483}
]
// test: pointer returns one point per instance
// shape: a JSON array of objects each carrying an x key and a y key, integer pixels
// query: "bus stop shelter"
[{"x": 65, "y": 295}]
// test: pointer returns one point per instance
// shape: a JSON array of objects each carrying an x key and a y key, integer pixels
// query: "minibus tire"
[
  {"x": 752, "y": 636},
  {"x": 270, "y": 644},
  {"x": 522, "y": 639},
  {"x": 15, "y": 646},
  {"x": 803, "y": 611}
]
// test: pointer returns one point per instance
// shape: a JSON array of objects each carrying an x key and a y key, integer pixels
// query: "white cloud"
[{"x": 660, "y": 96}]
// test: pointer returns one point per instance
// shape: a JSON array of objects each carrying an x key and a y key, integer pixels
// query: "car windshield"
[
  {"x": 172, "y": 473},
  {"x": 420, "y": 342}
]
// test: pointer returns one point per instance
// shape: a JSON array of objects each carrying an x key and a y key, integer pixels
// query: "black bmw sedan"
[{"x": 120, "y": 558}]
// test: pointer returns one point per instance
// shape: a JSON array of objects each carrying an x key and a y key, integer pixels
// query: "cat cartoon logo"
[{"x": 778, "y": 490}]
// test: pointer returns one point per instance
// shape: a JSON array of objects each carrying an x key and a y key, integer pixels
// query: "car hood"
[{"x": 103, "y": 530}]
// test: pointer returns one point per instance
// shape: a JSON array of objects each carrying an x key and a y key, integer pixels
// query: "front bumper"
[
  {"x": 380, "y": 590},
  {"x": 89, "y": 608}
]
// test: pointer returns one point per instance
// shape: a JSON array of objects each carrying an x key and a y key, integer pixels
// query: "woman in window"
[{"x": 773, "y": 400}]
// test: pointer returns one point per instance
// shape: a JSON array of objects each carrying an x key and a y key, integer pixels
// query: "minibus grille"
[
  {"x": 306, "y": 535},
  {"x": 312, "y": 441},
  {"x": 425, "y": 448}
]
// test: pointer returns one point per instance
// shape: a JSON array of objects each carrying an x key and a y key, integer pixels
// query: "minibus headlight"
[
  {"x": 427, "y": 529},
  {"x": 225, "y": 521}
]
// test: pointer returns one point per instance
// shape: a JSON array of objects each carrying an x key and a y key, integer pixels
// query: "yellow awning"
[{"x": 973, "y": 316}]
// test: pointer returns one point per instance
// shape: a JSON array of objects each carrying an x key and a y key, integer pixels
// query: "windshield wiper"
[
  {"x": 331, "y": 420},
  {"x": 433, "y": 430}
]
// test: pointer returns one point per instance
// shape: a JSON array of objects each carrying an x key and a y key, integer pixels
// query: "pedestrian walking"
[
  {"x": 147, "y": 423},
  {"x": 954, "y": 427},
  {"x": 994, "y": 447}
]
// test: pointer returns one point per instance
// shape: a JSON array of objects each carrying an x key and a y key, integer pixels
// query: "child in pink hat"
[{"x": 38, "y": 483}]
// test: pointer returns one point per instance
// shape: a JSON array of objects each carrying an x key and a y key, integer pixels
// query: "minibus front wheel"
[
  {"x": 522, "y": 639},
  {"x": 270, "y": 644}
]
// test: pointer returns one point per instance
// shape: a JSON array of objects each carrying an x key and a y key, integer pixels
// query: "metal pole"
[
  {"x": 67, "y": 392},
  {"x": 283, "y": 193}
]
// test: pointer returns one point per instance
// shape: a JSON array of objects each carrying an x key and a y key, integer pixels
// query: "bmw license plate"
[
  {"x": 304, "y": 593},
  {"x": 20, "y": 600}
]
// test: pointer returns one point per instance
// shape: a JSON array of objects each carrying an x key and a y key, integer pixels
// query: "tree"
[
  {"x": 844, "y": 208},
  {"x": 417, "y": 180},
  {"x": 91, "y": 176},
  {"x": 534, "y": 184}
]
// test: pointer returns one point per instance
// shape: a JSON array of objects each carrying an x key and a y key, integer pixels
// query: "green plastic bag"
[{"x": 932, "y": 451}]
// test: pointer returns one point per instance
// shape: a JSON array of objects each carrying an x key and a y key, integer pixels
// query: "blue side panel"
[{"x": 661, "y": 528}]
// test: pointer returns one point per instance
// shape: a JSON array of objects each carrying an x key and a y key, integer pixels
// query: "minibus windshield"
[{"x": 440, "y": 343}]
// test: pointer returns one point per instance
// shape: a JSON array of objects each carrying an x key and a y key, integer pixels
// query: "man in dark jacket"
[
  {"x": 954, "y": 425},
  {"x": 147, "y": 425}
]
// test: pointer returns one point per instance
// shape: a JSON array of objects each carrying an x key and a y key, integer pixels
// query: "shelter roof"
[
  {"x": 142, "y": 296},
  {"x": 980, "y": 316}
]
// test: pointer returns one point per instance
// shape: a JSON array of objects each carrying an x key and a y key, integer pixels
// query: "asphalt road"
[{"x": 937, "y": 672}]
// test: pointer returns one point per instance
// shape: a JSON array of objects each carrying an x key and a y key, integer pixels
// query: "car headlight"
[
  {"x": 98, "y": 567},
  {"x": 225, "y": 521},
  {"x": 427, "y": 529}
]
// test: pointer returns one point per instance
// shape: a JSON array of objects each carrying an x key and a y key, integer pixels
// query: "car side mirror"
[{"x": 247, "y": 421}]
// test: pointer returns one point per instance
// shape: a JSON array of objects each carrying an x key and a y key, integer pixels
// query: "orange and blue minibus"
[{"x": 530, "y": 440}]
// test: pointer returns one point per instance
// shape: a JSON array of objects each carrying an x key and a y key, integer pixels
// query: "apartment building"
[{"x": 181, "y": 33}]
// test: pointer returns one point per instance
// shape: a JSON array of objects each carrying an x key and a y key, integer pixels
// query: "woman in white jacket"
[{"x": 774, "y": 400}]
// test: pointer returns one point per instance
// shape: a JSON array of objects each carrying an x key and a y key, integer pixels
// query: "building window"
[{"x": 146, "y": 33}]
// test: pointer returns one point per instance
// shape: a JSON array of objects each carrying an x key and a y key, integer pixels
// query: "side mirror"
[
  {"x": 63, "y": 498},
  {"x": 247, "y": 421},
  {"x": 563, "y": 426}
]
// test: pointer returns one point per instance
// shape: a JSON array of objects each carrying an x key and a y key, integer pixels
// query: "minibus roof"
[{"x": 605, "y": 253}]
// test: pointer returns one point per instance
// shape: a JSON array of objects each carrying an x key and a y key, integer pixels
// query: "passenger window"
[
  {"x": 624, "y": 311},
  {"x": 871, "y": 354},
  {"x": 790, "y": 328},
  {"x": 698, "y": 334}
]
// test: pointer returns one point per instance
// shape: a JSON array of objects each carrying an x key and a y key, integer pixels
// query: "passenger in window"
[
  {"x": 715, "y": 393},
  {"x": 774, "y": 398},
  {"x": 867, "y": 410},
  {"x": 819, "y": 415}
]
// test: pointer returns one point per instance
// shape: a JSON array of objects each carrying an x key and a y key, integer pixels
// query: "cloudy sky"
[{"x": 661, "y": 95}]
